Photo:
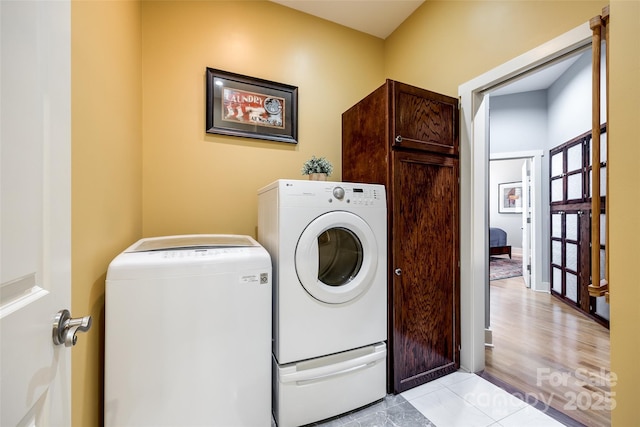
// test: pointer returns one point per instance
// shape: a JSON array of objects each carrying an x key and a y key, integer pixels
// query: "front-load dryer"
[
  {"x": 327, "y": 242},
  {"x": 328, "y": 246}
]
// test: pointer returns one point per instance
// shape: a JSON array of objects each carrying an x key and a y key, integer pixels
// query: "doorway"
[
  {"x": 474, "y": 181},
  {"x": 475, "y": 98}
]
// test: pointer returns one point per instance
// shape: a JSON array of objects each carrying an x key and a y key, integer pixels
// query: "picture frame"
[
  {"x": 250, "y": 107},
  {"x": 510, "y": 197}
]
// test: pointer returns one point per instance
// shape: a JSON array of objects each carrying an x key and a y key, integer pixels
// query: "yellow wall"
[
  {"x": 196, "y": 182},
  {"x": 447, "y": 43},
  {"x": 624, "y": 193},
  {"x": 143, "y": 165},
  {"x": 106, "y": 174}
]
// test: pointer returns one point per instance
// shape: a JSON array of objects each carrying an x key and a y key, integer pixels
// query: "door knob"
[
  {"x": 399, "y": 139},
  {"x": 65, "y": 328},
  {"x": 398, "y": 271}
]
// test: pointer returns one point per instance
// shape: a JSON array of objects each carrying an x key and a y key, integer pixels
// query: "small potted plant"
[{"x": 318, "y": 168}]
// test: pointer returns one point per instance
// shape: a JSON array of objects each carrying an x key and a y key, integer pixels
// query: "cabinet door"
[
  {"x": 424, "y": 120},
  {"x": 425, "y": 298}
]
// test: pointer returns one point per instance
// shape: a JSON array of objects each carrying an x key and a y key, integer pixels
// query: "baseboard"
[
  {"x": 488, "y": 337},
  {"x": 544, "y": 287}
]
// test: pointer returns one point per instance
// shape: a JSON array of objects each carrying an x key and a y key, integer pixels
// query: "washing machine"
[
  {"x": 188, "y": 333},
  {"x": 328, "y": 245}
]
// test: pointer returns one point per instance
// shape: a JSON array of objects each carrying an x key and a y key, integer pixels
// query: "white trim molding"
[{"x": 474, "y": 155}]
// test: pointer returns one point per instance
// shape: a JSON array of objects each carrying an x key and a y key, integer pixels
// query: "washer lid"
[{"x": 192, "y": 241}]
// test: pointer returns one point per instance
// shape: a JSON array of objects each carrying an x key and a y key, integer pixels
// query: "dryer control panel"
[
  {"x": 301, "y": 193},
  {"x": 366, "y": 195},
  {"x": 357, "y": 194}
]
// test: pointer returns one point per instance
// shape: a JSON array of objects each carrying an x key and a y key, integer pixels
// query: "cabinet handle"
[
  {"x": 398, "y": 271},
  {"x": 398, "y": 139}
]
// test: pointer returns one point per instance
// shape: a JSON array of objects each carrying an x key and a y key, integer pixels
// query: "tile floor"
[{"x": 459, "y": 399}]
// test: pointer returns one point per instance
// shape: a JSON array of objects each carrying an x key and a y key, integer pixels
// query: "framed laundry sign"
[
  {"x": 510, "y": 197},
  {"x": 249, "y": 107}
]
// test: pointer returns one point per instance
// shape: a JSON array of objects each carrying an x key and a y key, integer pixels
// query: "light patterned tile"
[
  {"x": 454, "y": 377},
  {"x": 421, "y": 390},
  {"x": 389, "y": 401},
  {"x": 490, "y": 399},
  {"x": 437, "y": 384},
  {"x": 446, "y": 409},
  {"x": 529, "y": 417},
  {"x": 403, "y": 415}
]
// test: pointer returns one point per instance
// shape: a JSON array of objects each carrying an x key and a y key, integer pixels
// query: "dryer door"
[{"x": 336, "y": 257}]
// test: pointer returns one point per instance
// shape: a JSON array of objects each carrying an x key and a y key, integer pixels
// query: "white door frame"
[
  {"x": 527, "y": 253},
  {"x": 474, "y": 161}
]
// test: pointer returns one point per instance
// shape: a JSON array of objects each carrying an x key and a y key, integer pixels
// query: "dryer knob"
[{"x": 338, "y": 193}]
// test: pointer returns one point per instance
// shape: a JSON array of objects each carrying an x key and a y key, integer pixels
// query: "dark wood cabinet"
[{"x": 407, "y": 139}]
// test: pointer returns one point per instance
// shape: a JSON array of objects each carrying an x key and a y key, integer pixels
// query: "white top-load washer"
[
  {"x": 328, "y": 245},
  {"x": 188, "y": 333}
]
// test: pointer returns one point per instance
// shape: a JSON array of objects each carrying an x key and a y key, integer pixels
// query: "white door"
[
  {"x": 526, "y": 224},
  {"x": 35, "y": 219}
]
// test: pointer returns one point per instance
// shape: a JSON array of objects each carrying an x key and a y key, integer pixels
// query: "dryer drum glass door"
[
  {"x": 336, "y": 257},
  {"x": 339, "y": 257}
]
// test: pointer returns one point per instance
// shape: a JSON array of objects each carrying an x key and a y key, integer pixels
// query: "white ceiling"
[
  {"x": 376, "y": 17},
  {"x": 381, "y": 17},
  {"x": 540, "y": 79}
]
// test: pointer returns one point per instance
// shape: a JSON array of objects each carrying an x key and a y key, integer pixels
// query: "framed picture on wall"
[
  {"x": 249, "y": 107},
  {"x": 510, "y": 197}
]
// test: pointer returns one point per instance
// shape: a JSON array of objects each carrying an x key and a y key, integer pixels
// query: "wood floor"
[{"x": 546, "y": 350}]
